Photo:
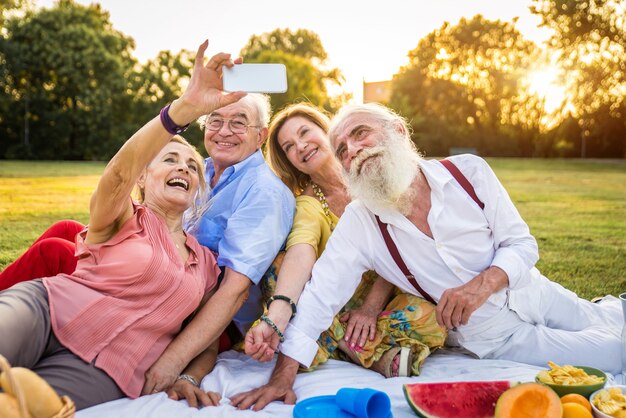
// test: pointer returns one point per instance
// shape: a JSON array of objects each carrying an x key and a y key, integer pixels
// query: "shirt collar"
[
  {"x": 254, "y": 160},
  {"x": 436, "y": 174},
  {"x": 192, "y": 244}
]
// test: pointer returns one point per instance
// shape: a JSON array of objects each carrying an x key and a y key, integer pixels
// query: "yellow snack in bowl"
[
  {"x": 611, "y": 401},
  {"x": 567, "y": 375}
]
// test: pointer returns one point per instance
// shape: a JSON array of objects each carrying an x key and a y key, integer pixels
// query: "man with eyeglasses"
[{"x": 246, "y": 222}]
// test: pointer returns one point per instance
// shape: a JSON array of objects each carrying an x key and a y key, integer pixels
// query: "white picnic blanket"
[{"x": 235, "y": 372}]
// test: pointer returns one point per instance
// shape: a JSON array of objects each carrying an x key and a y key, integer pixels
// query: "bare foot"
[{"x": 395, "y": 362}]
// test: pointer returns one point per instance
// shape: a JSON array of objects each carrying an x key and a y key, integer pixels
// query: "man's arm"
[
  {"x": 197, "y": 369},
  {"x": 457, "y": 304},
  {"x": 204, "y": 329},
  {"x": 279, "y": 387},
  {"x": 335, "y": 277},
  {"x": 515, "y": 248}
]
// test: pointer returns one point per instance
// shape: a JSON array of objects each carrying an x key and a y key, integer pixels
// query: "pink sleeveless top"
[{"x": 128, "y": 297}]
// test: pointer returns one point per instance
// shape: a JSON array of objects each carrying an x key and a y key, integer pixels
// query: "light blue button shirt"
[{"x": 247, "y": 222}]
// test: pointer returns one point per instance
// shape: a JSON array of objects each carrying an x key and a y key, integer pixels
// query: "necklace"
[
  {"x": 176, "y": 237},
  {"x": 320, "y": 195}
]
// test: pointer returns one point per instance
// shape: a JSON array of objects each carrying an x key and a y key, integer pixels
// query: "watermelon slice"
[{"x": 455, "y": 399}]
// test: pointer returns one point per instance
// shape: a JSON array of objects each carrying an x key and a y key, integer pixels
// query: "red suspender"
[
  {"x": 462, "y": 180},
  {"x": 393, "y": 249},
  {"x": 395, "y": 254}
]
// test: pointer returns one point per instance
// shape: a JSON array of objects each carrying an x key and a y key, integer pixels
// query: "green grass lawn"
[
  {"x": 34, "y": 194},
  {"x": 575, "y": 209}
]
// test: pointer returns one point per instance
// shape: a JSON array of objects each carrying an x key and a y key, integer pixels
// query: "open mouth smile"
[
  {"x": 179, "y": 182},
  {"x": 309, "y": 155}
]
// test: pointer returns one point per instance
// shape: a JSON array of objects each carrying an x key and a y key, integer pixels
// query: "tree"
[
  {"x": 304, "y": 56},
  {"x": 591, "y": 37},
  {"x": 304, "y": 83},
  {"x": 69, "y": 70},
  {"x": 463, "y": 87},
  {"x": 302, "y": 43},
  {"x": 158, "y": 82},
  {"x": 8, "y": 7},
  {"x": 70, "y": 88}
]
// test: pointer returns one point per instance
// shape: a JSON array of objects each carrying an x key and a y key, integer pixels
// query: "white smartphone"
[{"x": 255, "y": 78}]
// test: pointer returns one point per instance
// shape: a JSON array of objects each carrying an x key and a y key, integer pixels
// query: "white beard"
[{"x": 384, "y": 181}]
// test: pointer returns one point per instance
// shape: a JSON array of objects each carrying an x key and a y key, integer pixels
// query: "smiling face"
[
  {"x": 227, "y": 148},
  {"x": 379, "y": 159},
  {"x": 305, "y": 144},
  {"x": 356, "y": 141},
  {"x": 172, "y": 179}
]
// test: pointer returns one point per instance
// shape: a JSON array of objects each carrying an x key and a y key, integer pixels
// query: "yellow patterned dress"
[{"x": 407, "y": 320}]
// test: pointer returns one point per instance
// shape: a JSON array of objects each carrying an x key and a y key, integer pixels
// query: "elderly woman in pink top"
[{"x": 93, "y": 334}]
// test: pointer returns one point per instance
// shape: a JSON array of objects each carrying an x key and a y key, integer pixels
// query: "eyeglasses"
[{"x": 236, "y": 126}]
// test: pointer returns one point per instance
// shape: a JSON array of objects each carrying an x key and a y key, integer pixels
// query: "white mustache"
[
  {"x": 386, "y": 184},
  {"x": 355, "y": 165}
]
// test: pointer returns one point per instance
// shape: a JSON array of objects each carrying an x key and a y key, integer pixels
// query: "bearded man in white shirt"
[{"x": 466, "y": 246}]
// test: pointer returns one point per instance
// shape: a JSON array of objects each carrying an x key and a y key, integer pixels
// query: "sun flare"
[{"x": 545, "y": 84}]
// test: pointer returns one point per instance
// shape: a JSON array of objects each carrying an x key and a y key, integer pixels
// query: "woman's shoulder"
[
  {"x": 306, "y": 200},
  {"x": 309, "y": 204}
]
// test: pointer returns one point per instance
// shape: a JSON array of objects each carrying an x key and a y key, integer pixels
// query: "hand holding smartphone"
[{"x": 255, "y": 78}]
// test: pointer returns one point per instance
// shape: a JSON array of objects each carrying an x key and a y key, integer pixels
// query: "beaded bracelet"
[
  {"x": 189, "y": 379},
  {"x": 286, "y": 299},
  {"x": 271, "y": 323}
]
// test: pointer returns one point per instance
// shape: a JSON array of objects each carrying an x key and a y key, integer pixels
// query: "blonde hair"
[{"x": 274, "y": 154}]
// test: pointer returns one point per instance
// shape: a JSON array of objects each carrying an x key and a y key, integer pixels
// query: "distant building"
[{"x": 377, "y": 91}]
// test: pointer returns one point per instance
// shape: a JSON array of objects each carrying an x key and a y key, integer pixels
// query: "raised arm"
[{"x": 110, "y": 204}]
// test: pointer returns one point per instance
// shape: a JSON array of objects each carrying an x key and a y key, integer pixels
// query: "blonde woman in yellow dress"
[{"x": 380, "y": 328}]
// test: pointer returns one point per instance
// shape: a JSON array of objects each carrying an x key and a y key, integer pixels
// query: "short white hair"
[{"x": 261, "y": 104}]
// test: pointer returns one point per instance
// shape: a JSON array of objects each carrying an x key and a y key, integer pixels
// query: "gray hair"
[
  {"x": 260, "y": 103},
  {"x": 383, "y": 114}
]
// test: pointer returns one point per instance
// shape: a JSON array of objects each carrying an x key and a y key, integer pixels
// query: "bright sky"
[{"x": 367, "y": 40}]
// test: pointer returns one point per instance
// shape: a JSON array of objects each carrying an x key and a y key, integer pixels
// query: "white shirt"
[{"x": 466, "y": 240}]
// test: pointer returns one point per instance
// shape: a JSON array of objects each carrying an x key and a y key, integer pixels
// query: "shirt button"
[{"x": 439, "y": 246}]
